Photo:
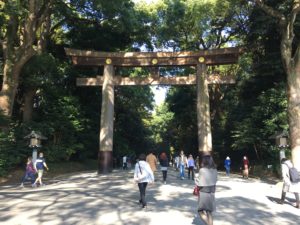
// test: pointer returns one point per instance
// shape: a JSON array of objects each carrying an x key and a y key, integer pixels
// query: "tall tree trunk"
[
  {"x": 18, "y": 46},
  {"x": 11, "y": 73},
  {"x": 291, "y": 64},
  {"x": 28, "y": 104},
  {"x": 294, "y": 114}
]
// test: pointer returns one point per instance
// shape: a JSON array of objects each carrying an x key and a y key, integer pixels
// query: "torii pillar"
[
  {"x": 203, "y": 110},
  {"x": 200, "y": 59},
  {"x": 107, "y": 121}
]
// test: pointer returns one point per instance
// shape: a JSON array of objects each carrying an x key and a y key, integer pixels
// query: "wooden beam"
[
  {"x": 136, "y": 59},
  {"x": 184, "y": 80},
  {"x": 91, "y": 53}
]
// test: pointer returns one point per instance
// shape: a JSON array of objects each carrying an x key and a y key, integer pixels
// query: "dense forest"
[{"x": 38, "y": 81}]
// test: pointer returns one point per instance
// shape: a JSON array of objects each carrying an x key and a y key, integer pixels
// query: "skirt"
[{"x": 206, "y": 201}]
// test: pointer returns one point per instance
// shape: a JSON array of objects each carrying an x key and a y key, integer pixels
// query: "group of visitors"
[
  {"x": 245, "y": 166},
  {"x": 146, "y": 166},
  {"x": 206, "y": 179},
  {"x": 33, "y": 168},
  {"x": 182, "y": 162}
]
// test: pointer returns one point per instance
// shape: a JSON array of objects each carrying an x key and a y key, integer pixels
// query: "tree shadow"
[{"x": 88, "y": 198}]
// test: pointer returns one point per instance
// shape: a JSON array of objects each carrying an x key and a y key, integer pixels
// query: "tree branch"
[{"x": 269, "y": 10}]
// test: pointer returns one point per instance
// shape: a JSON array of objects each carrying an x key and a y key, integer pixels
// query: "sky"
[{"x": 159, "y": 94}]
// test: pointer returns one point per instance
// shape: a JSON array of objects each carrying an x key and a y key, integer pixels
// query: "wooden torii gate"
[{"x": 110, "y": 60}]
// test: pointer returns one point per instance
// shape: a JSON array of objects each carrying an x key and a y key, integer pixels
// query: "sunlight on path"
[{"x": 87, "y": 198}]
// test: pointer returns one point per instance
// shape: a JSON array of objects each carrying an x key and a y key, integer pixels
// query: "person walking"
[
  {"x": 176, "y": 162},
  {"x": 164, "y": 164},
  {"x": 152, "y": 160},
  {"x": 29, "y": 173},
  {"x": 182, "y": 164},
  {"x": 124, "y": 162},
  {"x": 288, "y": 185},
  {"x": 39, "y": 166},
  {"x": 245, "y": 167},
  {"x": 206, "y": 182},
  {"x": 191, "y": 166},
  {"x": 227, "y": 164},
  {"x": 142, "y": 176}
]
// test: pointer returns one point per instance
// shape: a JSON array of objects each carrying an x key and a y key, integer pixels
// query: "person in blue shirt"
[
  {"x": 227, "y": 164},
  {"x": 39, "y": 166},
  {"x": 191, "y": 166}
]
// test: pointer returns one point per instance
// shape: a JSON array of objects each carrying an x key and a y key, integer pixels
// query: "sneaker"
[
  {"x": 22, "y": 185},
  {"x": 33, "y": 185},
  {"x": 165, "y": 182}
]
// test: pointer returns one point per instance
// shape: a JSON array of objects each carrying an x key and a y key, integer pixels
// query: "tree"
[
  {"x": 290, "y": 55},
  {"x": 24, "y": 34}
]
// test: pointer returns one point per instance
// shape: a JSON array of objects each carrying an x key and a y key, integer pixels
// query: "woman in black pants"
[
  {"x": 164, "y": 164},
  {"x": 143, "y": 175}
]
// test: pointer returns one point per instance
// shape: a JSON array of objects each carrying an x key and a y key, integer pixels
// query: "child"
[
  {"x": 39, "y": 165},
  {"x": 30, "y": 172}
]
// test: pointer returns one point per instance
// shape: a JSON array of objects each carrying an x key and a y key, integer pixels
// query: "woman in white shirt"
[{"x": 143, "y": 175}]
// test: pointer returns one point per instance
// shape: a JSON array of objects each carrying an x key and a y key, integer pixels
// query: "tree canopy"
[{"x": 38, "y": 82}]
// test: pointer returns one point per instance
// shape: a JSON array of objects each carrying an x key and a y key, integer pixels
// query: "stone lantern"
[
  {"x": 281, "y": 139},
  {"x": 35, "y": 139}
]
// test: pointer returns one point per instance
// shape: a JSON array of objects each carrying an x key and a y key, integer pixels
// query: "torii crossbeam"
[{"x": 110, "y": 60}]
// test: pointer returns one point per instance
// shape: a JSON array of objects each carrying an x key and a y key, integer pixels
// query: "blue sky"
[{"x": 159, "y": 94}]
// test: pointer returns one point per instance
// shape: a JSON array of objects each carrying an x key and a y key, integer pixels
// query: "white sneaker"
[
  {"x": 33, "y": 185},
  {"x": 22, "y": 185}
]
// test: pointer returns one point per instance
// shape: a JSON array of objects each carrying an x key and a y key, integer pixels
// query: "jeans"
[
  {"x": 28, "y": 175},
  {"x": 227, "y": 170},
  {"x": 164, "y": 172},
  {"x": 142, "y": 188},
  {"x": 182, "y": 171},
  {"x": 191, "y": 169}
]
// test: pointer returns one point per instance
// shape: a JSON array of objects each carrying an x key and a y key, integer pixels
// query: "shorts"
[{"x": 40, "y": 173}]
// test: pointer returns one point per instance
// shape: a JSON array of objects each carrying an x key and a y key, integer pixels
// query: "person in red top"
[
  {"x": 30, "y": 172},
  {"x": 245, "y": 167}
]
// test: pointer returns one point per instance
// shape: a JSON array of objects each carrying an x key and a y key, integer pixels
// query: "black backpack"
[{"x": 294, "y": 174}]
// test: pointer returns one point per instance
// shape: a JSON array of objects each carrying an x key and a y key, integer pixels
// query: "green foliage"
[
  {"x": 190, "y": 25},
  {"x": 183, "y": 129},
  {"x": 243, "y": 116},
  {"x": 132, "y": 110}
]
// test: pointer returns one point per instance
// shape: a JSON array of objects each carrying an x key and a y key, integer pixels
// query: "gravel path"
[{"x": 88, "y": 198}]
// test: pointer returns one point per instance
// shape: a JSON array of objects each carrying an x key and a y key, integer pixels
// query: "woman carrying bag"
[
  {"x": 206, "y": 181},
  {"x": 143, "y": 175}
]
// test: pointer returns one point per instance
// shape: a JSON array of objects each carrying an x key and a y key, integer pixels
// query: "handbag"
[{"x": 196, "y": 190}]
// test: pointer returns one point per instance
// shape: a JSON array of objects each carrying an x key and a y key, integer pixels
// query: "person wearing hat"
[{"x": 227, "y": 164}]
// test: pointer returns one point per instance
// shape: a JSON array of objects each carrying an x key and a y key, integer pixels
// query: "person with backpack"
[{"x": 291, "y": 182}]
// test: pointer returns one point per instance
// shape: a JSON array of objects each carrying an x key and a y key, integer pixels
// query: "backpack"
[{"x": 294, "y": 174}]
